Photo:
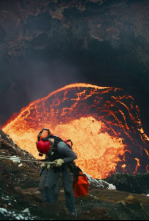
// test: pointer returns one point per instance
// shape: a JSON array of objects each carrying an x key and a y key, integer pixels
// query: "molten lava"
[{"x": 103, "y": 123}]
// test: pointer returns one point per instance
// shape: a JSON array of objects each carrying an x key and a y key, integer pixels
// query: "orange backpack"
[{"x": 80, "y": 184}]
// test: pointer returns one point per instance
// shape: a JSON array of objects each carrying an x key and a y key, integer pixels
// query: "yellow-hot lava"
[
  {"x": 103, "y": 123},
  {"x": 98, "y": 152}
]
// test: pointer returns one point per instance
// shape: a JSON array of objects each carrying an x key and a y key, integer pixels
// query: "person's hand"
[
  {"x": 43, "y": 165},
  {"x": 58, "y": 162},
  {"x": 48, "y": 166}
]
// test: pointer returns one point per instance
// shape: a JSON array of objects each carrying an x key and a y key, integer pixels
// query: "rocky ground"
[{"x": 20, "y": 197}]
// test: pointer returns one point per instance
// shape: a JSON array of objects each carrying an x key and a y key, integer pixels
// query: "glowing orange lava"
[{"x": 103, "y": 123}]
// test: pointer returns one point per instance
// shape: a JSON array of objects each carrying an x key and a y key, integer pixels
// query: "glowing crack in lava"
[{"x": 103, "y": 123}]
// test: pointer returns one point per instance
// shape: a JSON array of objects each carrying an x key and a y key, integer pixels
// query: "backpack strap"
[
  {"x": 56, "y": 140},
  {"x": 69, "y": 141},
  {"x": 77, "y": 172}
]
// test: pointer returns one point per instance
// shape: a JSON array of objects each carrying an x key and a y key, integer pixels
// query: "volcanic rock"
[{"x": 134, "y": 184}]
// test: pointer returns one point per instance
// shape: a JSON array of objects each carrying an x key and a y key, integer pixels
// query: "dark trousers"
[{"x": 49, "y": 187}]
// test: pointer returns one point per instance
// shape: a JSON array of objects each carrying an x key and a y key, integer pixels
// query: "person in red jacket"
[{"x": 62, "y": 156}]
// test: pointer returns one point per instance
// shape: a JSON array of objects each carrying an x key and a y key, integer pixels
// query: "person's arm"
[{"x": 68, "y": 154}]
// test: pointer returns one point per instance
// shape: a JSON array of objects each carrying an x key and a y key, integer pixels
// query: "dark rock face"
[
  {"x": 54, "y": 43},
  {"x": 2, "y": 34},
  {"x": 134, "y": 184}
]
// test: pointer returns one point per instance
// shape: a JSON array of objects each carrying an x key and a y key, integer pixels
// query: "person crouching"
[{"x": 59, "y": 158}]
